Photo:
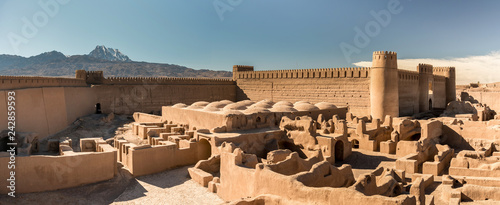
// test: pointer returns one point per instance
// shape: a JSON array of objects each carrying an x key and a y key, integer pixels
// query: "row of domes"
[{"x": 249, "y": 107}]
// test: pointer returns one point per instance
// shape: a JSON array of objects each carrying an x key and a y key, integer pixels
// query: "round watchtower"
[{"x": 384, "y": 93}]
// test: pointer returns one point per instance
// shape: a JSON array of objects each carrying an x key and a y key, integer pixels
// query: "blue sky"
[{"x": 279, "y": 34}]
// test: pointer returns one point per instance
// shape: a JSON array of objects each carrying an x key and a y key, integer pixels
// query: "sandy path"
[{"x": 169, "y": 187}]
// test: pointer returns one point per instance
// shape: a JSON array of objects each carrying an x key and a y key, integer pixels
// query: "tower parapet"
[
  {"x": 384, "y": 93},
  {"x": 240, "y": 68}
]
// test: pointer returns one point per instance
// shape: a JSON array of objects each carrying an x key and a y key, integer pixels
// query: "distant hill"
[{"x": 109, "y": 60}]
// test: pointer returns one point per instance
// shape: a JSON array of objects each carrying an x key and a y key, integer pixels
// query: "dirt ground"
[{"x": 168, "y": 187}]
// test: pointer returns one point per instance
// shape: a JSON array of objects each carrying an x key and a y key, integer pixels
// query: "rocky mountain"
[
  {"x": 110, "y": 54},
  {"x": 112, "y": 62}
]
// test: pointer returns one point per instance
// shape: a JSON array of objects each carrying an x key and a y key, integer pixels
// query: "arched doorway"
[
  {"x": 430, "y": 104},
  {"x": 339, "y": 151},
  {"x": 204, "y": 149}
]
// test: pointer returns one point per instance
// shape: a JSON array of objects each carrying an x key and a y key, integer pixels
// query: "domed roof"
[
  {"x": 263, "y": 104},
  {"x": 283, "y": 108},
  {"x": 235, "y": 106},
  {"x": 200, "y": 103},
  {"x": 194, "y": 107},
  {"x": 305, "y": 107},
  {"x": 217, "y": 104},
  {"x": 211, "y": 109},
  {"x": 255, "y": 110},
  {"x": 179, "y": 105},
  {"x": 280, "y": 103},
  {"x": 325, "y": 105},
  {"x": 232, "y": 112},
  {"x": 226, "y": 101},
  {"x": 245, "y": 102},
  {"x": 301, "y": 102}
]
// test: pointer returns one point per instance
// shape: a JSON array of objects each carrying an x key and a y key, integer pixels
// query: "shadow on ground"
[{"x": 359, "y": 160}]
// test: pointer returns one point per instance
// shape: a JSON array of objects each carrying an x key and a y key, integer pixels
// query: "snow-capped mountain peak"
[{"x": 101, "y": 52}]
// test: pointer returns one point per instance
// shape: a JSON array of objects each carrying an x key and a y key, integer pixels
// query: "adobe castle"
[{"x": 380, "y": 90}]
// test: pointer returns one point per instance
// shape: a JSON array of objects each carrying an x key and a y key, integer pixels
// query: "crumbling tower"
[{"x": 384, "y": 96}]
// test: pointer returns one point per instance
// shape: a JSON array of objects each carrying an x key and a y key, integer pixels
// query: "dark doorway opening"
[
  {"x": 355, "y": 144},
  {"x": 98, "y": 108},
  {"x": 204, "y": 149},
  {"x": 430, "y": 104},
  {"x": 339, "y": 151}
]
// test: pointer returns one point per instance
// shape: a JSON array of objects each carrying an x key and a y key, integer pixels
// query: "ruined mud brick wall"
[
  {"x": 472, "y": 134},
  {"x": 47, "y": 110},
  {"x": 238, "y": 181},
  {"x": 129, "y": 95},
  {"x": 488, "y": 94},
  {"x": 146, "y": 159},
  {"x": 45, "y": 173},
  {"x": 340, "y": 86}
]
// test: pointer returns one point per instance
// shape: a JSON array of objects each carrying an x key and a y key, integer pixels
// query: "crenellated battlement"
[
  {"x": 163, "y": 80},
  {"x": 424, "y": 68},
  {"x": 385, "y": 59},
  {"x": 19, "y": 82},
  {"x": 352, "y": 72},
  {"x": 407, "y": 75},
  {"x": 448, "y": 72},
  {"x": 239, "y": 68},
  {"x": 384, "y": 53}
]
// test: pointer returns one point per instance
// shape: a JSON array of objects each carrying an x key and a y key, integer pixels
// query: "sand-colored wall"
[
  {"x": 471, "y": 133},
  {"x": 408, "y": 92},
  {"x": 240, "y": 182},
  {"x": 127, "y": 99},
  {"x": 48, "y": 110},
  {"x": 348, "y": 87},
  {"x": 18, "y": 82},
  {"x": 45, "y": 173},
  {"x": 490, "y": 98},
  {"x": 439, "y": 92},
  {"x": 149, "y": 160}
]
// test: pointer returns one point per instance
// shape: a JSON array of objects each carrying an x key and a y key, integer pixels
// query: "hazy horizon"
[{"x": 268, "y": 35}]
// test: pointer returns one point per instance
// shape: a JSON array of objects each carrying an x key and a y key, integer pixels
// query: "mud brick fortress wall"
[
  {"x": 341, "y": 86},
  {"x": 47, "y": 105},
  {"x": 380, "y": 90}
]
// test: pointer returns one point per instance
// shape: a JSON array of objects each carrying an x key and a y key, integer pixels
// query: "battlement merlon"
[
  {"x": 448, "y": 72},
  {"x": 240, "y": 68},
  {"x": 385, "y": 59},
  {"x": 425, "y": 68}
]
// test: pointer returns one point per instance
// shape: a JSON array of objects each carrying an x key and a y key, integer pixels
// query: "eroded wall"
[
  {"x": 45, "y": 173},
  {"x": 47, "y": 110}
]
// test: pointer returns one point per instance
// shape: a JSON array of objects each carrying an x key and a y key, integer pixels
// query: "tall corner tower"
[
  {"x": 450, "y": 85},
  {"x": 384, "y": 93}
]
